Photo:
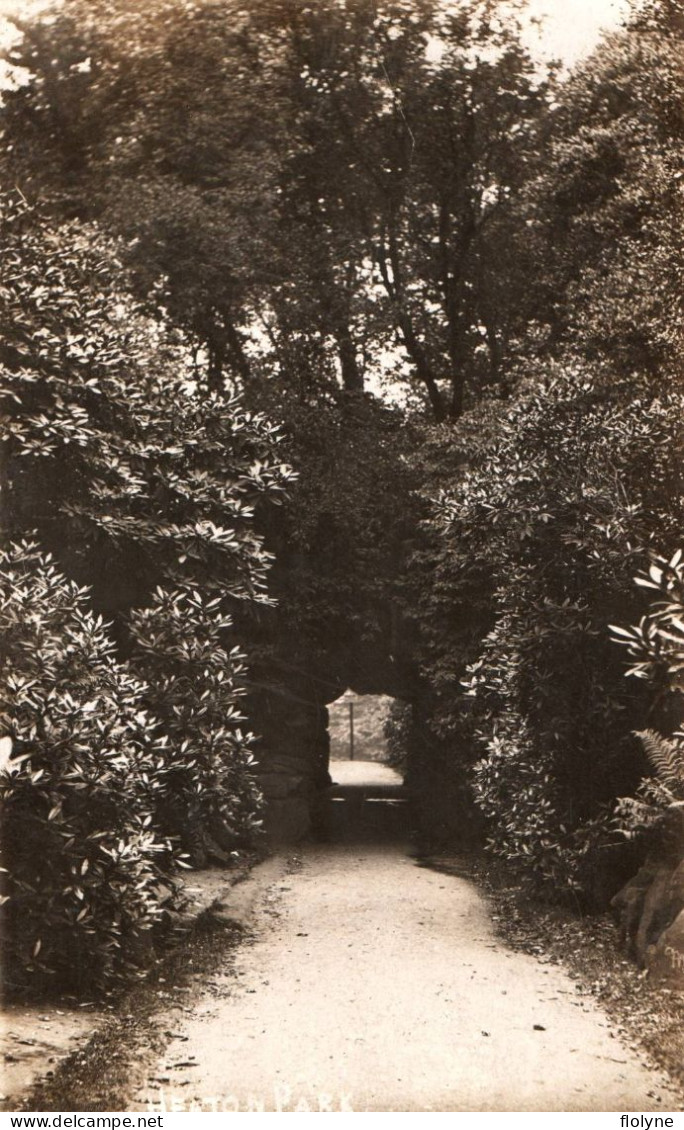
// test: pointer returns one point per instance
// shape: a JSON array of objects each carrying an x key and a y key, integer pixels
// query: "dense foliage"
[
  {"x": 561, "y": 531},
  {"x": 656, "y": 648},
  {"x": 396, "y": 731},
  {"x": 111, "y": 445},
  {"x": 83, "y": 855},
  {"x": 559, "y": 493},
  {"x": 144, "y": 486}
]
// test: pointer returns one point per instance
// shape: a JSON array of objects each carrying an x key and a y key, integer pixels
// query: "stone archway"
[{"x": 292, "y": 718}]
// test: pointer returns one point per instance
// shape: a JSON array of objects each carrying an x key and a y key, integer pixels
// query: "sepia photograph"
[{"x": 342, "y": 559}]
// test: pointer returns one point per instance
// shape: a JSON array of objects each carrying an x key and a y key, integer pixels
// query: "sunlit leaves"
[
  {"x": 79, "y": 793},
  {"x": 656, "y": 648}
]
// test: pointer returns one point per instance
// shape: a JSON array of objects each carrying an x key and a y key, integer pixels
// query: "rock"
[
  {"x": 677, "y": 886},
  {"x": 655, "y": 915},
  {"x": 236, "y": 911},
  {"x": 665, "y": 959},
  {"x": 648, "y": 905},
  {"x": 631, "y": 906},
  {"x": 236, "y": 906},
  {"x": 663, "y": 903},
  {"x": 629, "y": 901}
]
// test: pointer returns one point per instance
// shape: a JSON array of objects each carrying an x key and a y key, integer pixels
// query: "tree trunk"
[
  {"x": 405, "y": 328},
  {"x": 352, "y": 377}
]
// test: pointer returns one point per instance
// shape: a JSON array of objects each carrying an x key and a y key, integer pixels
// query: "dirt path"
[{"x": 376, "y": 985}]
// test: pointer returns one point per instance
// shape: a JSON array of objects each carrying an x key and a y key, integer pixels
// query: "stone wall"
[{"x": 292, "y": 756}]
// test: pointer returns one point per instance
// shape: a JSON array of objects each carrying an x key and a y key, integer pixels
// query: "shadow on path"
[{"x": 367, "y": 804}]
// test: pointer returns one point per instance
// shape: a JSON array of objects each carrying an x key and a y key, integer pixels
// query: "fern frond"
[{"x": 666, "y": 757}]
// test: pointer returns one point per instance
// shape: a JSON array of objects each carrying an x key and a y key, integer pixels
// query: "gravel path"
[
  {"x": 364, "y": 773},
  {"x": 374, "y": 984}
]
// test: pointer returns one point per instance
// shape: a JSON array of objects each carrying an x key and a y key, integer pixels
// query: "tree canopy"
[{"x": 361, "y": 225}]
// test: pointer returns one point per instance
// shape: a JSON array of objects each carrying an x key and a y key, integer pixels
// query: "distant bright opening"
[
  {"x": 357, "y": 727},
  {"x": 367, "y": 801}
]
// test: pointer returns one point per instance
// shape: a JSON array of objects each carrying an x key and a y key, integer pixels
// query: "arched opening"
[
  {"x": 301, "y": 701},
  {"x": 366, "y": 801},
  {"x": 357, "y": 725}
]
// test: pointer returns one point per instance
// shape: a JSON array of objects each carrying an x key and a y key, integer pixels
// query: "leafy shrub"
[
  {"x": 656, "y": 646},
  {"x": 397, "y": 732},
  {"x": 83, "y": 856},
  {"x": 194, "y": 686},
  {"x": 561, "y": 489}
]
